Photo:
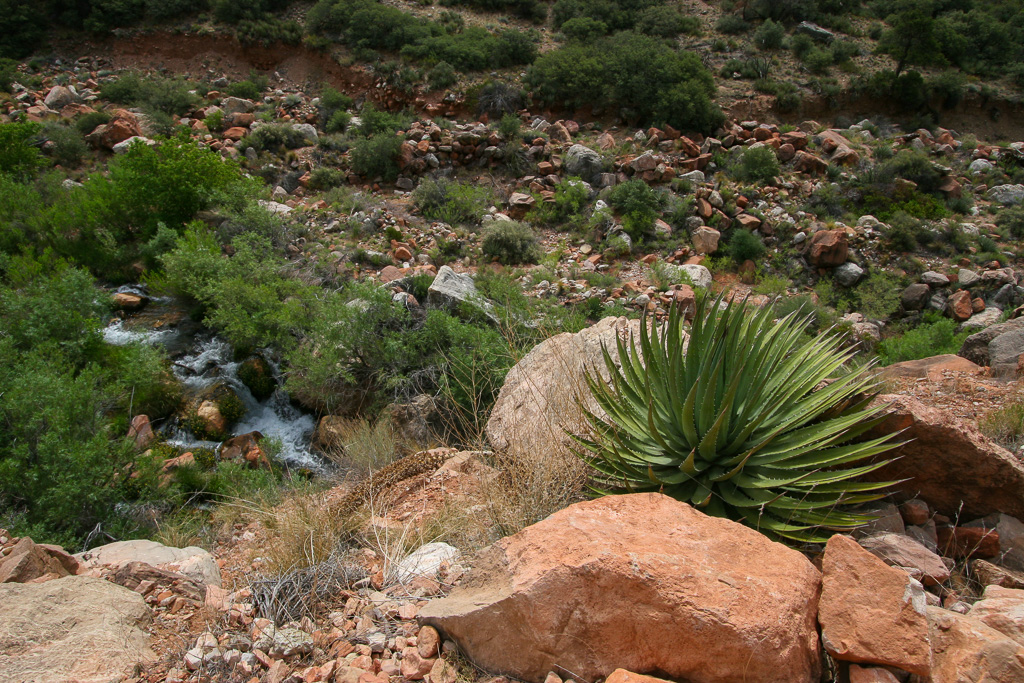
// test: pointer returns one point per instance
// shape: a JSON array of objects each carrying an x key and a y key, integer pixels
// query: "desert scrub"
[
  {"x": 451, "y": 202},
  {"x": 735, "y": 423},
  {"x": 511, "y": 243},
  {"x": 935, "y": 336}
]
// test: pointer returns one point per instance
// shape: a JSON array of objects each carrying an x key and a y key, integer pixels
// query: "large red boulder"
[
  {"x": 949, "y": 462},
  {"x": 643, "y": 582}
]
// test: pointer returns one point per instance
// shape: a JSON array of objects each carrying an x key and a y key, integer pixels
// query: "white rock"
[{"x": 424, "y": 561}]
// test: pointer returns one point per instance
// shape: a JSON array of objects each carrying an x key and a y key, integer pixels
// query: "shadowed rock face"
[
  {"x": 642, "y": 582},
  {"x": 949, "y": 462}
]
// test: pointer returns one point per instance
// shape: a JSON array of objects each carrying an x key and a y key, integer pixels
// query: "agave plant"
[{"x": 738, "y": 422}]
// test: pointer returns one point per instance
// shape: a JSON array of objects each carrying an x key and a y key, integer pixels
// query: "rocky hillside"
[{"x": 310, "y": 363}]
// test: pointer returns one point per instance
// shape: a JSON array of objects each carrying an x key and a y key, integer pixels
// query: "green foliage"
[
  {"x": 911, "y": 37},
  {"x": 69, "y": 146},
  {"x": 732, "y": 24},
  {"x": 736, "y": 424},
  {"x": 91, "y": 121},
  {"x": 744, "y": 245},
  {"x": 879, "y": 295},
  {"x": 758, "y": 165},
  {"x": 324, "y": 178},
  {"x": 377, "y": 122},
  {"x": 498, "y": 99},
  {"x": 533, "y": 10},
  {"x": 442, "y": 75},
  {"x": 8, "y": 72},
  {"x": 275, "y": 137},
  {"x": 639, "y": 205},
  {"x": 1011, "y": 220},
  {"x": 769, "y": 35},
  {"x": 934, "y": 336},
  {"x": 19, "y": 156},
  {"x": 511, "y": 243},
  {"x": 171, "y": 96},
  {"x": 665, "y": 21},
  {"x": 566, "y": 211},
  {"x": 641, "y": 77},
  {"x": 250, "y": 89},
  {"x": 614, "y": 15},
  {"x": 509, "y": 127},
  {"x": 21, "y": 30},
  {"x": 231, "y": 408},
  {"x": 257, "y": 377},
  {"x": 451, "y": 202}
]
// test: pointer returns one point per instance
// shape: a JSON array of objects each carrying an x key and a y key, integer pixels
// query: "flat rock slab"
[
  {"x": 642, "y": 582},
  {"x": 77, "y": 628}
]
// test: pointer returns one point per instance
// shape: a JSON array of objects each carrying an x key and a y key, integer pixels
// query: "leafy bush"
[
  {"x": 442, "y": 75},
  {"x": 769, "y": 35},
  {"x": 168, "y": 95},
  {"x": 637, "y": 75},
  {"x": 250, "y": 89},
  {"x": 324, "y": 178},
  {"x": 511, "y": 243},
  {"x": 8, "y": 72},
  {"x": 451, "y": 202},
  {"x": 69, "y": 146},
  {"x": 736, "y": 423},
  {"x": 377, "y": 156},
  {"x": 274, "y": 137},
  {"x": 757, "y": 165},
  {"x": 498, "y": 99},
  {"x": 879, "y": 295},
  {"x": 665, "y": 21},
  {"x": 566, "y": 211},
  {"x": 19, "y": 156},
  {"x": 1012, "y": 220},
  {"x": 639, "y": 205},
  {"x": 91, "y": 121},
  {"x": 936, "y": 335},
  {"x": 745, "y": 246},
  {"x": 732, "y": 24}
]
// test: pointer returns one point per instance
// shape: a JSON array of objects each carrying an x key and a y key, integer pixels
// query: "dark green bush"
[
  {"x": 639, "y": 205},
  {"x": 91, "y": 121},
  {"x": 769, "y": 35},
  {"x": 69, "y": 146},
  {"x": 19, "y": 155},
  {"x": 8, "y": 72},
  {"x": 744, "y": 245},
  {"x": 250, "y": 89},
  {"x": 171, "y": 96},
  {"x": 274, "y": 137},
  {"x": 934, "y": 336},
  {"x": 637, "y": 75},
  {"x": 442, "y": 75},
  {"x": 758, "y": 165},
  {"x": 665, "y": 21},
  {"x": 498, "y": 99},
  {"x": 584, "y": 29},
  {"x": 511, "y": 243},
  {"x": 377, "y": 156},
  {"x": 324, "y": 178},
  {"x": 732, "y": 24}
]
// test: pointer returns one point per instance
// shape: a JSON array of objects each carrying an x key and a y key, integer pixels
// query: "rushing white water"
[
  {"x": 209, "y": 361},
  {"x": 275, "y": 417}
]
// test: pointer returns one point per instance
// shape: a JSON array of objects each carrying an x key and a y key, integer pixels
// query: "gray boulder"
[
  {"x": 979, "y": 321},
  {"x": 1007, "y": 194},
  {"x": 848, "y": 274},
  {"x": 934, "y": 279},
  {"x": 699, "y": 275},
  {"x": 966, "y": 277},
  {"x": 822, "y": 35},
  {"x": 582, "y": 162},
  {"x": 306, "y": 130},
  {"x": 451, "y": 290},
  {"x": 978, "y": 348},
  {"x": 916, "y": 296},
  {"x": 59, "y": 97},
  {"x": 236, "y": 105}
]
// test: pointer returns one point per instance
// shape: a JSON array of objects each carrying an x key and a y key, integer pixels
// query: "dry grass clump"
[
  {"x": 360, "y": 446},
  {"x": 1005, "y": 425}
]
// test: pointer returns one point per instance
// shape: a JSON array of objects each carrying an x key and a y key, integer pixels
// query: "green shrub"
[
  {"x": 451, "y": 202},
  {"x": 69, "y": 146},
  {"x": 8, "y": 72},
  {"x": 936, "y": 335},
  {"x": 665, "y": 21},
  {"x": 509, "y": 127},
  {"x": 377, "y": 156},
  {"x": 376, "y": 122},
  {"x": 745, "y": 246},
  {"x": 511, "y": 243},
  {"x": 584, "y": 29},
  {"x": 19, "y": 156},
  {"x": 639, "y": 205},
  {"x": 324, "y": 178},
  {"x": 769, "y": 35},
  {"x": 497, "y": 99},
  {"x": 566, "y": 211},
  {"x": 737, "y": 424},
  {"x": 758, "y": 165},
  {"x": 442, "y": 75},
  {"x": 638, "y": 76},
  {"x": 1012, "y": 220},
  {"x": 91, "y": 121},
  {"x": 879, "y": 295},
  {"x": 257, "y": 377},
  {"x": 171, "y": 96},
  {"x": 250, "y": 89},
  {"x": 732, "y": 24},
  {"x": 231, "y": 408},
  {"x": 275, "y": 137}
]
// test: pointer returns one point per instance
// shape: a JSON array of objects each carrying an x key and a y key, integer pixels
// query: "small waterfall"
[{"x": 202, "y": 360}]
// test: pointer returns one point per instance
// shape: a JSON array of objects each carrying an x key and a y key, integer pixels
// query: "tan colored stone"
[
  {"x": 870, "y": 612},
  {"x": 828, "y": 248},
  {"x": 428, "y": 642},
  {"x": 966, "y": 650},
  {"x": 76, "y": 628},
  {"x": 29, "y": 561},
  {"x": 537, "y": 399},
  {"x": 860, "y": 674},
  {"x": 948, "y": 462},
  {"x": 959, "y": 306},
  {"x": 623, "y": 676},
  {"x": 194, "y": 562},
  {"x": 932, "y": 367},
  {"x": 1001, "y": 609},
  {"x": 989, "y": 574},
  {"x": 598, "y": 586}
]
